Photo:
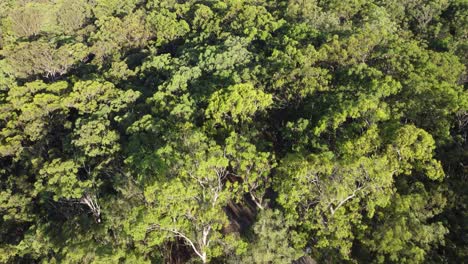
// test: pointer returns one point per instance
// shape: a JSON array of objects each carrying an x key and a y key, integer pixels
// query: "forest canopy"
[{"x": 233, "y": 131}]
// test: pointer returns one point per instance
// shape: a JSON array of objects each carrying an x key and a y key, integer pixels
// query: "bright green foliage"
[
  {"x": 296, "y": 76},
  {"x": 406, "y": 234},
  {"x": 166, "y": 26},
  {"x": 188, "y": 203},
  {"x": 236, "y": 131},
  {"x": 361, "y": 176},
  {"x": 60, "y": 177},
  {"x": 119, "y": 34},
  {"x": 99, "y": 99},
  {"x": 109, "y": 8},
  {"x": 95, "y": 138},
  {"x": 237, "y": 104},
  {"x": 251, "y": 166},
  {"x": 28, "y": 113}
]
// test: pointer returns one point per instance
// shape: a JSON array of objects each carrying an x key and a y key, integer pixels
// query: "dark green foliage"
[{"x": 238, "y": 131}]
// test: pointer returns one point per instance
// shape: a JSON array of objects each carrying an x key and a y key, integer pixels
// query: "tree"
[
  {"x": 316, "y": 193},
  {"x": 237, "y": 104},
  {"x": 251, "y": 167},
  {"x": 73, "y": 15},
  {"x": 165, "y": 131},
  {"x": 272, "y": 241},
  {"x": 187, "y": 202},
  {"x": 45, "y": 59},
  {"x": 28, "y": 20},
  {"x": 406, "y": 233}
]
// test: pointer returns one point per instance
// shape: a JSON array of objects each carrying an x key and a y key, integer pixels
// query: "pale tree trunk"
[
  {"x": 257, "y": 202},
  {"x": 199, "y": 252},
  {"x": 91, "y": 202}
]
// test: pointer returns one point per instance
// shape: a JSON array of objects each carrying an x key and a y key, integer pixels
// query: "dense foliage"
[{"x": 233, "y": 131}]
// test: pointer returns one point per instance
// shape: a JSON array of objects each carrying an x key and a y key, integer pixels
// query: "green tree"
[
  {"x": 272, "y": 241},
  {"x": 165, "y": 131},
  {"x": 187, "y": 201}
]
